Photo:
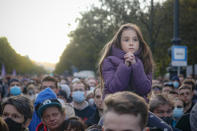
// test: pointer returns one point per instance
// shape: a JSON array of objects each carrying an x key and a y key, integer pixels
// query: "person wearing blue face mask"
[
  {"x": 176, "y": 84},
  {"x": 81, "y": 106},
  {"x": 15, "y": 91},
  {"x": 162, "y": 107},
  {"x": 178, "y": 110},
  {"x": 14, "y": 87}
]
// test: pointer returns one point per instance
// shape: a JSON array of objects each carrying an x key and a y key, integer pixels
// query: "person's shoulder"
[
  {"x": 184, "y": 123},
  {"x": 90, "y": 108},
  {"x": 193, "y": 117}
]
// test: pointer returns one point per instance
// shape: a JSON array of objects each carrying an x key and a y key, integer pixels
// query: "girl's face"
[{"x": 129, "y": 41}]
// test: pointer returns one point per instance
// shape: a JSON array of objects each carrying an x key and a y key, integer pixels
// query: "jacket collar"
[
  {"x": 117, "y": 52},
  {"x": 120, "y": 53}
]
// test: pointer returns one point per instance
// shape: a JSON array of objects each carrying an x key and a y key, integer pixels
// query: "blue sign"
[{"x": 179, "y": 56}]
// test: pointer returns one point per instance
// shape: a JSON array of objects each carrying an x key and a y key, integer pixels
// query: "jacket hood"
[
  {"x": 43, "y": 95},
  {"x": 47, "y": 93}
]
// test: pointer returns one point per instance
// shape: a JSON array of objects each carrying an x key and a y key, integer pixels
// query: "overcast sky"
[{"x": 39, "y": 28}]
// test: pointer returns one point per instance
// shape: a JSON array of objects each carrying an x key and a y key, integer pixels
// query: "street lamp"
[{"x": 176, "y": 40}]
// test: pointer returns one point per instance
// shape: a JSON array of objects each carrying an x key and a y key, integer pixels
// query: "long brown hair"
[{"x": 145, "y": 54}]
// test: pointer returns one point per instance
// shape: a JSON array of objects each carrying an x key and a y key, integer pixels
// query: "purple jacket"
[{"x": 119, "y": 77}]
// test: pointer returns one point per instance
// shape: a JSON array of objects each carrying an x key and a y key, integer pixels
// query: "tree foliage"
[
  {"x": 98, "y": 25},
  {"x": 14, "y": 61}
]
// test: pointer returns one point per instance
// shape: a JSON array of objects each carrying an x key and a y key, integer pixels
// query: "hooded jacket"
[
  {"x": 120, "y": 77},
  {"x": 42, "y": 96}
]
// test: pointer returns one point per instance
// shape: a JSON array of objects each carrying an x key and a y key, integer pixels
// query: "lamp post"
[
  {"x": 176, "y": 40},
  {"x": 151, "y": 26}
]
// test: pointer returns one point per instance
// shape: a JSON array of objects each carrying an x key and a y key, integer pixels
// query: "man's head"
[
  {"x": 78, "y": 92},
  {"x": 17, "y": 111},
  {"x": 125, "y": 111},
  {"x": 14, "y": 82},
  {"x": 52, "y": 113},
  {"x": 190, "y": 82},
  {"x": 156, "y": 89},
  {"x": 167, "y": 88},
  {"x": 50, "y": 82},
  {"x": 161, "y": 106},
  {"x": 91, "y": 82},
  {"x": 98, "y": 100},
  {"x": 186, "y": 93},
  {"x": 14, "y": 87}
]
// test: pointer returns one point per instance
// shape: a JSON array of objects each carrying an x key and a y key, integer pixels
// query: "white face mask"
[
  {"x": 91, "y": 101},
  {"x": 32, "y": 97},
  {"x": 92, "y": 88}
]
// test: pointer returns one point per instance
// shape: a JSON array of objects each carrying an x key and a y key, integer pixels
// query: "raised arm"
[
  {"x": 141, "y": 82},
  {"x": 116, "y": 74}
]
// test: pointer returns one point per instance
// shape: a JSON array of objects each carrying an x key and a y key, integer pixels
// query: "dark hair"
[
  {"x": 127, "y": 103},
  {"x": 175, "y": 78},
  {"x": 190, "y": 82},
  {"x": 158, "y": 100},
  {"x": 13, "y": 80},
  {"x": 22, "y": 104},
  {"x": 168, "y": 84},
  {"x": 173, "y": 92},
  {"x": 75, "y": 124},
  {"x": 94, "y": 128},
  {"x": 50, "y": 78},
  {"x": 63, "y": 94},
  {"x": 185, "y": 86}
]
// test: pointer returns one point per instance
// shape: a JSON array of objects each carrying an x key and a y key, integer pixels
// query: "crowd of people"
[
  {"x": 59, "y": 103},
  {"x": 124, "y": 97}
]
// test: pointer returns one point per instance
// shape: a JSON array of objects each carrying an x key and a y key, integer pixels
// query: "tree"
[
  {"x": 97, "y": 26},
  {"x": 12, "y": 60}
]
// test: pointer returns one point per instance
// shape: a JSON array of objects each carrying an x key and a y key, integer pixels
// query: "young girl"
[{"x": 126, "y": 63}]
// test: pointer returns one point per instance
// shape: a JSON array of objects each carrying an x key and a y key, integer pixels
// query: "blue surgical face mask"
[
  {"x": 15, "y": 90},
  {"x": 78, "y": 96},
  {"x": 92, "y": 88},
  {"x": 177, "y": 112},
  {"x": 176, "y": 84}
]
